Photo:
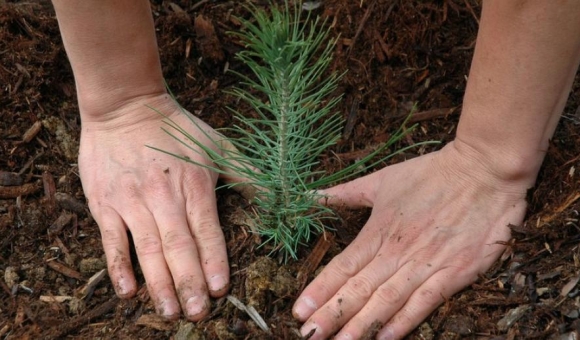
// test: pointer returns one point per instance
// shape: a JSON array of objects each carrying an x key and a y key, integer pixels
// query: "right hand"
[{"x": 167, "y": 205}]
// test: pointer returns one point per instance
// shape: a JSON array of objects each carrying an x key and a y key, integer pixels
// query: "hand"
[
  {"x": 168, "y": 205},
  {"x": 437, "y": 222}
]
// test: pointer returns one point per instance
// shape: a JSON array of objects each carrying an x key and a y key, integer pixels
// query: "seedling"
[{"x": 293, "y": 125}]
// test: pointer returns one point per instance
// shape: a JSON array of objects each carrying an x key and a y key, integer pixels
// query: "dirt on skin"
[{"x": 397, "y": 53}]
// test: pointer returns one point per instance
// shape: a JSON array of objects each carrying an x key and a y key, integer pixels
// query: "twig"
[
  {"x": 65, "y": 270},
  {"x": 313, "y": 260},
  {"x": 29, "y": 163},
  {"x": 251, "y": 311},
  {"x": 198, "y": 4},
  {"x": 361, "y": 26},
  {"x": 61, "y": 330},
  {"x": 472, "y": 11},
  {"x": 429, "y": 114},
  {"x": 22, "y": 190}
]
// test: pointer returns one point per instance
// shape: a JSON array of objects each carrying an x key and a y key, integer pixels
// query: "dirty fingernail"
[
  {"x": 304, "y": 308},
  {"x": 122, "y": 287},
  {"x": 309, "y": 329},
  {"x": 386, "y": 334},
  {"x": 168, "y": 308},
  {"x": 195, "y": 305},
  {"x": 217, "y": 283}
]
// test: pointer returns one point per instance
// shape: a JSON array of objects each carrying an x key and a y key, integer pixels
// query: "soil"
[{"x": 397, "y": 53}]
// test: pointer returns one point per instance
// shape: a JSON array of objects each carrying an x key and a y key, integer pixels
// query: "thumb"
[
  {"x": 357, "y": 193},
  {"x": 231, "y": 176}
]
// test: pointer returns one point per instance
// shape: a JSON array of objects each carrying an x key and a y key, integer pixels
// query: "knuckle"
[
  {"x": 346, "y": 265},
  {"x": 361, "y": 287},
  {"x": 175, "y": 241},
  {"x": 112, "y": 238},
  {"x": 209, "y": 232},
  {"x": 148, "y": 245},
  {"x": 389, "y": 295},
  {"x": 404, "y": 319},
  {"x": 159, "y": 186},
  {"x": 200, "y": 183}
]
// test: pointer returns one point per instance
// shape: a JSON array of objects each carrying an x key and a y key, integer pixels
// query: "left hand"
[{"x": 437, "y": 222}]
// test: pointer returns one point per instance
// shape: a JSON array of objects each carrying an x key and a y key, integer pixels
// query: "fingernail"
[
  {"x": 343, "y": 336},
  {"x": 217, "y": 283},
  {"x": 386, "y": 334},
  {"x": 122, "y": 287},
  {"x": 304, "y": 308},
  {"x": 195, "y": 305},
  {"x": 309, "y": 329},
  {"x": 168, "y": 309}
]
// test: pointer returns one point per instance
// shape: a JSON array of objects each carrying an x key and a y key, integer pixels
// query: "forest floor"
[{"x": 397, "y": 53}]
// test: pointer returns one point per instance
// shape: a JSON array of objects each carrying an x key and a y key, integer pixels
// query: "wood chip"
[
  {"x": 313, "y": 260},
  {"x": 58, "y": 225},
  {"x": 86, "y": 291},
  {"x": 251, "y": 311},
  {"x": 569, "y": 286},
  {"x": 70, "y": 203},
  {"x": 55, "y": 299},
  {"x": 49, "y": 191},
  {"x": 155, "y": 321},
  {"x": 512, "y": 316},
  {"x": 64, "y": 270},
  {"x": 207, "y": 41},
  {"x": 16, "y": 191},
  {"x": 32, "y": 132}
]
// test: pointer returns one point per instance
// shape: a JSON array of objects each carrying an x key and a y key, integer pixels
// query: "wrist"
[
  {"x": 102, "y": 103},
  {"x": 129, "y": 113},
  {"x": 112, "y": 48},
  {"x": 519, "y": 167}
]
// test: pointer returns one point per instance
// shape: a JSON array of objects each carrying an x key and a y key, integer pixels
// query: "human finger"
[
  {"x": 387, "y": 299},
  {"x": 149, "y": 249},
  {"x": 423, "y": 302},
  {"x": 380, "y": 288},
  {"x": 203, "y": 220},
  {"x": 342, "y": 267},
  {"x": 360, "y": 192},
  {"x": 181, "y": 256},
  {"x": 116, "y": 247},
  {"x": 231, "y": 175}
]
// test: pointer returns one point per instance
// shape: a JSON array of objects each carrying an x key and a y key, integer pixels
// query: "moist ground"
[{"x": 397, "y": 53}]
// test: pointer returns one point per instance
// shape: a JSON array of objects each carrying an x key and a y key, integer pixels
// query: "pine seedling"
[{"x": 294, "y": 124}]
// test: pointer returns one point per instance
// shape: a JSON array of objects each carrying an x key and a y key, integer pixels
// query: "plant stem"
[{"x": 283, "y": 138}]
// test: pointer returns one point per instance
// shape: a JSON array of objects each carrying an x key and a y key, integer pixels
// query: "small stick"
[
  {"x": 198, "y": 4},
  {"x": 86, "y": 291},
  {"x": 70, "y": 203},
  {"x": 67, "y": 258},
  {"x": 23, "y": 190},
  {"x": 313, "y": 260},
  {"x": 65, "y": 270},
  {"x": 63, "y": 329},
  {"x": 49, "y": 190},
  {"x": 57, "y": 226},
  {"x": 32, "y": 132},
  {"x": 429, "y": 114},
  {"x": 472, "y": 11},
  {"x": 361, "y": 26},
  {"x": 29, "y": 163}
]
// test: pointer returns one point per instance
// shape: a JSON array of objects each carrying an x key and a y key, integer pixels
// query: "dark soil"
[{"x": 396, "y": 53}]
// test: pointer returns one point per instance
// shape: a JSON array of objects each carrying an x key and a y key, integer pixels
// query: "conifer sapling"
[{"x": 293, "y": 125}]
